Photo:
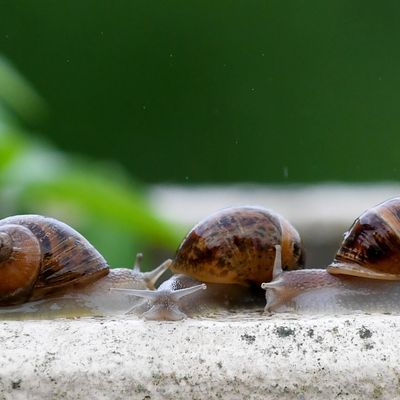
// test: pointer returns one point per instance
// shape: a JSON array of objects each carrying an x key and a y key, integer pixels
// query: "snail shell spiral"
[{"x": 40, "y": 256}]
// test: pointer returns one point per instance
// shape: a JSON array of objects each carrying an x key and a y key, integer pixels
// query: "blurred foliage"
[
  {"x": 16, "y": 92},
  {"x": 217, "y": 91},
  {"x": 98, "y": 199}
]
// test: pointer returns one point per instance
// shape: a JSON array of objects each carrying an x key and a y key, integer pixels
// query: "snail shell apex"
[
  {"x": 371, "y": 248},
  {"x": 46, "y": 256},
  {"x": 237, "y": 245}
]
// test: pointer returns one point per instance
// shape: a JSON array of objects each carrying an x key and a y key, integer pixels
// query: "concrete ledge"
[
  {"x": 326, "y": 204},
  {"x": 242, "y": 356}
]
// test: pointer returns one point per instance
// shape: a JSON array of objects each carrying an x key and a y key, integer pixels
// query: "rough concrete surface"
[{"x": 236, "y": 357}]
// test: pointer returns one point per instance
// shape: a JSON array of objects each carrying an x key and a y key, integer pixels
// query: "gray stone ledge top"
[
  {"x": 311, "y": 208},
  {"x": 246, "y": 356}
]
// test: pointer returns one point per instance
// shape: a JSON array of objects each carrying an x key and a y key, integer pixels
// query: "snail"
[
  {"x": 181, "y": 296},
  {"x": 49, "y": 269},
  {"x": 364, "y": 276},
  {"x": 233, "y": 252}
]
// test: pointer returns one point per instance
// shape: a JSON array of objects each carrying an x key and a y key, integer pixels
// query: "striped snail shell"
[
  {"x": 371, "y": 248},
  {"x": 41, "y": 256}
]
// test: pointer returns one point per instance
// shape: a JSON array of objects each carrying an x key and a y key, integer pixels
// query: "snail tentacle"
[
  {"x": 154, "y": 294},
  {"x": 152, "y": 277},
  {"x": 277, "y": 269},
  {"x": 144, "y": 293},
  {"x": 138, "y": 262},
  {"x": 178, "y": 294}
]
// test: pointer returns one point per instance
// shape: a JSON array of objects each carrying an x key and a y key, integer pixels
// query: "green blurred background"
[{"x": 138, "y": 92}]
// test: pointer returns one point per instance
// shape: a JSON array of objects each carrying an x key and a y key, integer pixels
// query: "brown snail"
[
  {"x": 364, "y": 275},
  {"x": 48, "y": 267},
  {"x": 233, "y": 252}
]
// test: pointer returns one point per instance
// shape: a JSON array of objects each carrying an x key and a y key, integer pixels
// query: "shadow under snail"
[
  {"x": 364, "y": 275},
  {"x": 47, "y": 269}
]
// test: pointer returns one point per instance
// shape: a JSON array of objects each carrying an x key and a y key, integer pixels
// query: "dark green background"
[{"x": 217, "y": 91}]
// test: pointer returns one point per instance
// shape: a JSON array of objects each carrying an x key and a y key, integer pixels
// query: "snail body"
[
  {"x": 316, "y": 291},
  {"x": 48, "y": 268},
  {"x": 166, "y": 303},
  {"x": 182, "y": 296},
  {"x": 232, "y": 251},
  {"x": 364, "y": 276}
]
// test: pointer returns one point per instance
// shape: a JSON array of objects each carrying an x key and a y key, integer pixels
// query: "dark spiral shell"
[
  {"x": 371, "y": 248},
  {"x": 236, "y": 245},
  {"x": 46, "y": 257}
]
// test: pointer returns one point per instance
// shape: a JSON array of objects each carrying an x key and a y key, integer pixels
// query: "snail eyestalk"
[
  {"x": 138, "y": 262},
  {"x": 157, "y": 294},
  {"x": 277, "y": 270},
  {"x": 178, "y": 294},
  {"x": 152, "y": 277}
]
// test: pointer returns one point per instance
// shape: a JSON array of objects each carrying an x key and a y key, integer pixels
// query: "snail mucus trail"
[{"x": 364, "y": 276}]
